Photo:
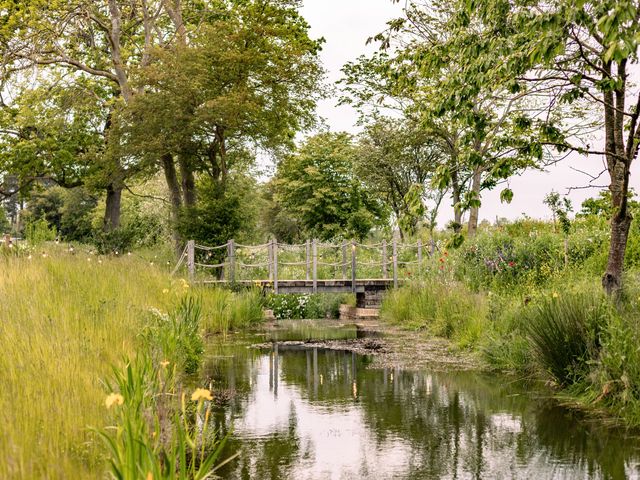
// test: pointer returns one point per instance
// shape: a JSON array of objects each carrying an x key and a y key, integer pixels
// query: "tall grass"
[
  {"x": 64, "y": 320},
  {"x": 564, "y": 333},
  {"x": 444, "y": 309}
]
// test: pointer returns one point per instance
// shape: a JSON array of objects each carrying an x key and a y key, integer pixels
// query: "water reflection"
[{"x": 310, "y": 413}]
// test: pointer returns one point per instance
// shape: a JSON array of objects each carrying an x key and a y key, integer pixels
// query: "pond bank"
[{"x": 388, "y": 346}]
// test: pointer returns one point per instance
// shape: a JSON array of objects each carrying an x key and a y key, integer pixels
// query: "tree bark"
[
  {"x": 175, "y": 197},
  {"x": 188, "y": 182},
  {"x": 112, "y": 208},
  {"x": 612, "y": 278},
  {"x": 474, "y": 211}
]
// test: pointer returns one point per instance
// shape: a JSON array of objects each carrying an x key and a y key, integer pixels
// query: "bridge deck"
[{"x": 307, "y": 286}]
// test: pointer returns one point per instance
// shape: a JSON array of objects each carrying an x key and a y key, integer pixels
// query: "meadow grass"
[{"x": 65, "y": 320}]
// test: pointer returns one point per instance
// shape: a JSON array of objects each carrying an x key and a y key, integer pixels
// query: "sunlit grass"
[{"x": 65, "y": 319}]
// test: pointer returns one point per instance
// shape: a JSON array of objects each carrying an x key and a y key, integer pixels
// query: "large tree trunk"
[
  {"x": 612, "y": 278},
  {"x": 188, "y": 182},
  {"x": 112, "y": 208},
  {"x": 171, "y": 177},
  {"x": 474, "y": 211}
]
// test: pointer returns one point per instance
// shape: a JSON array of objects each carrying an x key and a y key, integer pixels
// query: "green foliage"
[
  {"x": 560, "y": 208},
  {"x": 225, "y": 310},
  {"x": 215, "y": 219},
  {"x": 447, "y": 310},
  {"x": 307, "y": 306},
  {"x": 564, "y": 332},
  {"x": 319, "y": 187},
  {"x": 38, "y": 231},
  {"x": 176, "y": 337},
  {"x": 5, "y": 225}
]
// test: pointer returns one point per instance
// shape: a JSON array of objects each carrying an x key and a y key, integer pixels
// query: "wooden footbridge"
[{"x": 311, "y": 267}]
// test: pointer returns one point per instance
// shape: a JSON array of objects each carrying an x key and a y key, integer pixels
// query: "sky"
[{"x": 346, "y": 25}]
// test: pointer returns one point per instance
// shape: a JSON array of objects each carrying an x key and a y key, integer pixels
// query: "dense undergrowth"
[
  {"x": 513, "y": 296},
  {"x": 77, "y": 328}
]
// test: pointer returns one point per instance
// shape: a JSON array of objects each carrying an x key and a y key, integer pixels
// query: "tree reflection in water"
[{"x": 312, "y": 413}]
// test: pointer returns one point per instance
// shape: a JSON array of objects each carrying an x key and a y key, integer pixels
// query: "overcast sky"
[{"x": 346, "y": 25}]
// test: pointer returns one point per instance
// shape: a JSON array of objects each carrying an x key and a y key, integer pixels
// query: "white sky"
[{"x": 346, "y": 25}]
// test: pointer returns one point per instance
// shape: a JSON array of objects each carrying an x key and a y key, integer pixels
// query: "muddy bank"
[{"x": 391, "y": 347}]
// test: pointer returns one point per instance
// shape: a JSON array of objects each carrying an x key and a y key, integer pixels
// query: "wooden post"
[
  {"x": 191, "y": 259},
  {"x": 231, "y": 250},
  {"x": 315, "y": 265},
  {"x": 308, "y": 259},
  {"x": 353, "y": 266},
  {"x": 344, "y": 260},
  {"x": 419, "y": 257},
  {"x": 384, "y": 259},
  {"x": 275, "y": 265},
  {"x": 395, "y": 262},
  {"x": 270, "y": 259}
]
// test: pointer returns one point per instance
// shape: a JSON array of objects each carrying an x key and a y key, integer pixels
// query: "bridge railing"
[{"x": 311, "y": 261}]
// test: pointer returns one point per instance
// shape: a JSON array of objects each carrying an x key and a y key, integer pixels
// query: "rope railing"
[{"x": 237, "y": 260}]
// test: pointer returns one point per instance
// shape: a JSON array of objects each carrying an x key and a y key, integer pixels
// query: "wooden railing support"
[
  {"x": 270, "y": 258},
  {"x": 275, "y": 265},
  {"x": 315, "y": 265},
  {"x": 191, "y": 259},
  {"x": 354, "y": 266},
  {"x": 420, "y": 258},
  {"x": 384, "y": 259},
  {"x": 231, "y": 249},
  {"x": 308, "y": 259},
  {"x": 344, "y": 260},
  {"x": 395, "y": 262}
]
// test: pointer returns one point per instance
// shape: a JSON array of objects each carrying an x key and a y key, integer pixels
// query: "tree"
[
  {"x": 105, "y": 40},
  {"x": 578, "y": 51},
  {"x": 396, "y": 158},
  {"x": 247, "y": 80},
  {"x": 319, "y": 187},
  {"x": 494, "y": 135}
]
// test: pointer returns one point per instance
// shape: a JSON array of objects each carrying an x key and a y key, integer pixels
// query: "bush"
[
  {"x": 564, "y": 332},
  {"x": 308, "y": 306},
  {"x": 38, "y": 231}
]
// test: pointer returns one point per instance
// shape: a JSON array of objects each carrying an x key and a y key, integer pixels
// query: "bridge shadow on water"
[{"x": 314, "y": 413}]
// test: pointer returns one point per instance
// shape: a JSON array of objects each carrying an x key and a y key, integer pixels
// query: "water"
[{"x": 310, "y": 413}]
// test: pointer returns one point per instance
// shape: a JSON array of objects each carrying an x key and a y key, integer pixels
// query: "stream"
[{"x": 301, "y": 411}]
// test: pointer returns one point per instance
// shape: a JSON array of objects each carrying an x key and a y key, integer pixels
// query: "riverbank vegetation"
[
  {"x": 69, "y": 319},
  {"x": 512, "y": 296}
]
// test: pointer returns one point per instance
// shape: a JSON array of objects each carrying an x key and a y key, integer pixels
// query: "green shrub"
[
  {"x": 38, "y": 231},
  {"x": 564, "y": 333}
]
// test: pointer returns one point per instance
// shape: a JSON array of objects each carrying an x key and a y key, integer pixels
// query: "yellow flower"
[
  {"x": 164, "y": 363},
  {"x": 114, "y": 399},
  {"x": 165, "y": 290},
  {"x": 555, "y": 295},
  {"x": 201, "y": 394},
  {"x": 149, "y": 476}
]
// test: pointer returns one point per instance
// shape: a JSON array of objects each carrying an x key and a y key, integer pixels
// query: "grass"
[{"x": 65, "y": 319}]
